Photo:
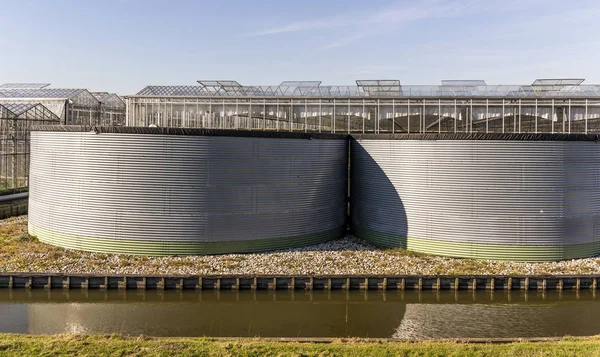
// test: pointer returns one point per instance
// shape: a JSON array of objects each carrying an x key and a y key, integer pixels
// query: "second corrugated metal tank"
[
  {"x": 165, "y": 191},
  {"x": 513, "y": 197}
]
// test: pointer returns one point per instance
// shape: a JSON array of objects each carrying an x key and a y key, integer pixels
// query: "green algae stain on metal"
[
  {"x": 512, "y": 252},
  {"x": 163, "y": 248}
]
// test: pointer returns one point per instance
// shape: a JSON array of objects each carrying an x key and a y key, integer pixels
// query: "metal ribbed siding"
[
  {"x": 517, "y": 200},
  {"x": 177, "y": 194}
]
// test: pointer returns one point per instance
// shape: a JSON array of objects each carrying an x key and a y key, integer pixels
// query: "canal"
[{"x": 337, "y": 313}]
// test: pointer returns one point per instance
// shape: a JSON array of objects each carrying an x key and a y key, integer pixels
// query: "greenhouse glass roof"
[
  {"x": 18, "y": 108},
  {"x": 24, "y": 85},
  {"x": 558, "y": 82},
  {"x": 40, "y": 93},
  {"x": 171, "y": 90},
  {"x": 38, "y": 110},
  {"x": 568, "y": 87},
  {"x": 101, "y": 96}
]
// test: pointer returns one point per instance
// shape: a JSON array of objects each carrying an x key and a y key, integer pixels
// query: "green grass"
[
  {"x": 112, "y": 345},
  {"x": 407, "y": 253}
]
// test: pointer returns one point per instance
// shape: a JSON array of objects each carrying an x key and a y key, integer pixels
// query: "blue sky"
[{"x": 123, "y": 45}]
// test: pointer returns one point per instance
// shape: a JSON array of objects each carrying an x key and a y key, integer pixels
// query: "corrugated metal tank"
[
  {"x": 486, "y": 196},
  {"x": 166, "y": 191}
]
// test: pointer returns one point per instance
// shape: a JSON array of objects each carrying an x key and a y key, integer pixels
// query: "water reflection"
[{"x": 300, "y": 314}]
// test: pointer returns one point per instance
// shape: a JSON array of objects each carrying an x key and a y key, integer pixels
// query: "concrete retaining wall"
[{"x": 76, "y": 281}]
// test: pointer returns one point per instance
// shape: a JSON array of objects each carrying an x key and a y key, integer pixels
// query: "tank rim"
[
  {"x": 188, "y": 132},
  {"x": 480, "y": 136}
]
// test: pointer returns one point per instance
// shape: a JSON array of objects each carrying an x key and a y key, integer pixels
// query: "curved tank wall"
[
  {"x": 505, "y": 197},
  {"x": 164, "y": 191}
]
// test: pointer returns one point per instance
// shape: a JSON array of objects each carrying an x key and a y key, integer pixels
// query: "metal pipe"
[{"x": 14, "y": 197}]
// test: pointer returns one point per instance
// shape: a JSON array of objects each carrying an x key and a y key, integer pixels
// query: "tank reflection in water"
[{"x": 301, "y": 314}]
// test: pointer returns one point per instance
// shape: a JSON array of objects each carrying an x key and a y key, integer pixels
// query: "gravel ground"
[{"x": 348, "y": 256}]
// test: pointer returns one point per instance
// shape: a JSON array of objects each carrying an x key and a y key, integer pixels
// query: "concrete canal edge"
[{"x": 299, "y": 282}]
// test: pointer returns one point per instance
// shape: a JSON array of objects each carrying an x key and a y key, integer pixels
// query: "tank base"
[
  {"x": 162, "y": 248},
  {"x": 522, "y": 253}
]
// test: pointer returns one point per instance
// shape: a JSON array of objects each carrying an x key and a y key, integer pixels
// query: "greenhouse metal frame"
[
  {"x": 16, "y": 120},
  {"x": 72, "y": 106},
  {"x": 112, "y": 109},
  {"x": 373, "y": 106}
]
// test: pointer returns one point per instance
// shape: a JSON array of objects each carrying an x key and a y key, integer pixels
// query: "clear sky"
[{"x": 123, "y": 45}]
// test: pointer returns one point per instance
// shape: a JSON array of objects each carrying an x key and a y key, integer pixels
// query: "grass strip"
[{"x": 115, "y": 345}]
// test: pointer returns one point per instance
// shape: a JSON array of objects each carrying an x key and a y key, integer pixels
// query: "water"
[{"x": 397, "y": 314}]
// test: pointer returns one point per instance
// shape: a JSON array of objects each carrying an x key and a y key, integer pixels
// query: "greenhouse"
[
  {"x": 72, "y": 106},
  {"x": 373, "y": 106},
  {"x": 112, "y": 108},
  {"x": 16, "y": 120}
]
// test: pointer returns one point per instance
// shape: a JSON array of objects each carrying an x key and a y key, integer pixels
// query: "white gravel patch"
[{"x": 348, "y": 256}]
